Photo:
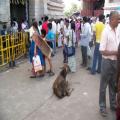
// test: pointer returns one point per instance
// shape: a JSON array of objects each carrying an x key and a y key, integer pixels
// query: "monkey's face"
[
  {"x": 66, "y": 68},
  {"x": 64, "y": 72}
]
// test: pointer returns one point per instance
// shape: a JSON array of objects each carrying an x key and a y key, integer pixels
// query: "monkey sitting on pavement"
[{"x": 60, "y": 86}]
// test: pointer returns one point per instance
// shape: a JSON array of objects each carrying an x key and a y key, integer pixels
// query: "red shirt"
[{"x": 45, "y": 26}]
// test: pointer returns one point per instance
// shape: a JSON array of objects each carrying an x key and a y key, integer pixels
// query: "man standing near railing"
[
  {"x": 4, "y": 30},
  {"x": 13, "y": 28},
  {"x": 13, "y": 31}
]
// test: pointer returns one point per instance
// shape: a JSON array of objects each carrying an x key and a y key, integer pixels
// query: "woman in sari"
[{"x": 35, "y": 50}]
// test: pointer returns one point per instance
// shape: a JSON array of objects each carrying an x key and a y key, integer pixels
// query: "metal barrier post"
[{"x": 12, "y": 47}]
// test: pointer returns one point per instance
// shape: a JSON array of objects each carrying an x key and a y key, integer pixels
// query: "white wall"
[{"x": 4, "y": 12}]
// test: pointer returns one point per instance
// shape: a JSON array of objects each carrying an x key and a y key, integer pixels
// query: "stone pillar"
[
  {"x": 31, "y": 10},
  {"x": 4, "y": 12},
  {"x": 36, "y": 9},
  {"x": 39, "y": 9}
]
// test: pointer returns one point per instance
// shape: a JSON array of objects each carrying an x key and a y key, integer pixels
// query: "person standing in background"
[
  {"x": 4, "y": 30},
  {"x": 109, "y": 43},
  {"x": 16, "y": 23},
  {"x": 45, "y": 24},
  {"x": 97, "y": 57},
  {"x": 61, "y": 23},
  {"x": 85, "y": 39},
  {"x": 40, "y": 27},
  {"x": 23, "y": 25},
  {"x": 77, "y": 31},
  {"x": 54, "y": 30},
  {"x": 66, "y": 37},
  {"x": 50, "y": 37}
]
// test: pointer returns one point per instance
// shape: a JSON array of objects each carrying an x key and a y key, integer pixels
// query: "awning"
[{"x": 17, "y": 2}]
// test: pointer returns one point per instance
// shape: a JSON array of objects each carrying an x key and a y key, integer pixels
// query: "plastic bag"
[{"x": 37, "y": 63}]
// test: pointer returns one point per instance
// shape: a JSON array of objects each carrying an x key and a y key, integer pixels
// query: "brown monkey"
[{"x": 60, "y": 86}]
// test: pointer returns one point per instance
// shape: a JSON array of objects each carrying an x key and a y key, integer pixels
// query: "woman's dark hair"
[
  {"x": 85, "y": 19},
  {"x": 33, "y": 20},
  {"x": 89, "y": 20},
  {"x": 73, "y": 26},
  {"x": 14, "y": 19},
  {"x": 58, "y": 21},
  {"x": 23, "y": 20},
  {"x": 43, "y": 32},
  {"x": 50, "y": 26},
  {"x": 101, "y": 17},
  {"x": 66, "y": 20},
  {"x": 40, "y": 22},
  {"x": 12, "y": 23},
  {"x": 34, "y": 24},
  {"x": 107, "y": 15},
  {"x": 46, "y": 18}
]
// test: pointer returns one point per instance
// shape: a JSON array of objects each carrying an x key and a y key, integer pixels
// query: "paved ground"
[{"x": 22, "y": 98}]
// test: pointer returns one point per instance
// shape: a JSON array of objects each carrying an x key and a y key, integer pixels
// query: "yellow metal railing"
[{"x": 12, "y": 47}]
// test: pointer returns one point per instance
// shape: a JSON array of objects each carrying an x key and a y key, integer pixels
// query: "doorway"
[{"x": 19, "y": 10}]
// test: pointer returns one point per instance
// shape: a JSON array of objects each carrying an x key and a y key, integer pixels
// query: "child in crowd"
[
  {"x": 51, "y": 37},
  {"x": 50, "y": 71},
  {"x": 40, "y": 27}
]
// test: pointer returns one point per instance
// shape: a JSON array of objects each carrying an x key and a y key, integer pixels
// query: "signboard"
[{"x": 42, "y": 44}]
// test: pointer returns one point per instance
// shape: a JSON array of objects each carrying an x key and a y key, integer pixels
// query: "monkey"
[{"x": 61, "y": 85}]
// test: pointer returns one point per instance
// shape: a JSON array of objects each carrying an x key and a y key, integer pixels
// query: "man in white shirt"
[
  {"x": 85, "y": 39},
  {"x": 61, "y": 23},
  {"x": 108, "y": 47},
  {"x": 54, "y": 29},
  {"x": 65, "y": 42},
  {"x": 54, "y": 26}
]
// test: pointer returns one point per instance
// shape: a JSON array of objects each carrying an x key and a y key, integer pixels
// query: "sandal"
[
  {"x": 51, "y": 73},
  {"x": 48, "y": 71},
  {"x": 42, "y": 75},
  {"x": 33, "y": 76}
]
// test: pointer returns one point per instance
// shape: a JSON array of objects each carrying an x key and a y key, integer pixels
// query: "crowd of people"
[
  {"x": 98, "y": 39},
  {"x": 97, "y": 34}
]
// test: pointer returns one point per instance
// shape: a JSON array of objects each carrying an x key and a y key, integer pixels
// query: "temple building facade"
[{"x": 29, "y": 9}]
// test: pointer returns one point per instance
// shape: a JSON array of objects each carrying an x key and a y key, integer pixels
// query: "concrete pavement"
[{"x": 22, "y": 98}]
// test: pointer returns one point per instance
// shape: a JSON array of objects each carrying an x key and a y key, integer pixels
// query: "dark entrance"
[
  {"x": 19, "y": 10},
  {"x": 98, "y": 4}
]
